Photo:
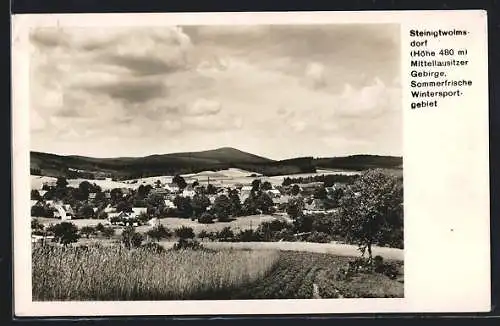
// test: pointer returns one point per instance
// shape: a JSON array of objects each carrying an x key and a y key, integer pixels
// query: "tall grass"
[{"x": 115, "y": 273}]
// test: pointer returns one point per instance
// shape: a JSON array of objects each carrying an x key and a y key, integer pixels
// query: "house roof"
[
  {"x": 139, "y": 210},
  {"x": 247, "y": 188}
]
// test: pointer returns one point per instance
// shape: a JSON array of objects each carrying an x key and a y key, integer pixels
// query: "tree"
[
  {"x": 234, "y": 198},
  {"x": 320, "y": 193},
  {"x": 295, "y": 190},
  {"x": 130, "y": 238},
  {"x": 155, "y": 200},
  {"x": 85, "y": 211},
  {"x": 295, "y": 207},
  {"x": 64, "y": 233},
  {"x": 124, "y": 206},
  {"x": 36, "y": 226},
  {"x": 222, "y": 208},
  {"x": 374, "y": 202},
  {"x": 184, "y": 232},
  {"x": 116, "y": 195},
  {"x": 206, "y": 218},
  {"x": 195, "y": 184},
  {"x": 158, "y": 184},
  {"x": 266, "y": 185},
  {"x": 256, "y": 185},
  {"x": 87, "y": 231},
  {"x": 143, "y": 191},
  {"x": 211, "y": 189},
  {"x": 61, "y": 183},
  {"x": 99, "y": 227},
  {"x": 35, "y": 195},
  {"x": 264, "y": 202},
  {"x": 179, "y": 181},
  {"x": 159, "y": 232},
  {"x": 184, "y": 206},
  {"x": 200, "y": 203},
  {"x": 84, "y": 188}
]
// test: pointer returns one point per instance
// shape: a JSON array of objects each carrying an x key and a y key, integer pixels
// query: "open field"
[
  {"x": 297, "y": 273},
  {"x": 337, "y": 249},
  {"x": 71, "y": 274}
]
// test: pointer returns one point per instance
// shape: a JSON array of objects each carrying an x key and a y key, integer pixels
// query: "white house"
[
  {"x": 188, "y": 193},
  {"x": 61, "y": 213},
  {"x": 139, "y": 210},
  {"x": 172, "y": 187},
  {"x": 169, "y": 203},
  {"x": 274, "y": 193}
]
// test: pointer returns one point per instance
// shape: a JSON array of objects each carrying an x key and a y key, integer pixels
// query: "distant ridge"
[{"x": 194, "y": 162}]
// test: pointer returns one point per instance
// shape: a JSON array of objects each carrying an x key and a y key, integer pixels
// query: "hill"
[
  {"x": 193, "y": 162},
  {"x": 360, "y": 162}
]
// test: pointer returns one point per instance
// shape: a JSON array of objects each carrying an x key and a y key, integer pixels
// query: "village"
[{"x": 179, "y": 201}]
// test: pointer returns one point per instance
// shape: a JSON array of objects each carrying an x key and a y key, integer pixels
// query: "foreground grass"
[{"x": 115, "y": 273}]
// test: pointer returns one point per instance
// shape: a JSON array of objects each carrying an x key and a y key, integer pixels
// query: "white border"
[{"x": 444, "y": 271}]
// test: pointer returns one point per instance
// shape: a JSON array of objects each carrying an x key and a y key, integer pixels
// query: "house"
[
  {"x": 61, "y": 213},
  {"x": 188, "y": 192},
  {"x": 316, "y": 206},
  {"x": 34, "y": 203},
  {"x": 160, "y": 191},
  {"x": 42, "y": 192},
  {"x": 107, "y": 195},
  {"x": 172, "y": 187},
  {"x": 274, "y": 193},
  {"x": 69, "y": 210},
  {"x": 139, "y": 210},
  {"x": 41, "y": 239},
  {"x": 109, "y": 209},
  {"x": 92, "y": 196},
  {"x": 169, "y": 203},
  {"x": 246, "y": 190},
  {"x": 50, "y": 183}
]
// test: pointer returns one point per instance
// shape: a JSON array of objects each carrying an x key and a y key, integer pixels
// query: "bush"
[
  {"x": 204, "y": 234},
  {"x": 226, "y": 234},
  {"x": 319, "y": 237},
  {"x": 130, "y": 238},
  {"x": 159, "y": 232},
  {"x": 99, "y": 227},
  {"x": 64, "y": 233},
  {"x": 184, "y": 232},
  {"x": 187, "y": 244},
  {"x": 206, "y": 218}
]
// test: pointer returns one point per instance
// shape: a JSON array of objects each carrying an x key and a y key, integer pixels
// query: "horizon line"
[{"x": 214, "y": 149}]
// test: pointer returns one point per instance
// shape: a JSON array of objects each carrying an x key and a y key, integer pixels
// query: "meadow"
[{"x": 71, "y": 273}]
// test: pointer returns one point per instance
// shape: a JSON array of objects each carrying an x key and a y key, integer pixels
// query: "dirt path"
[{"x": 330, "y": 248}]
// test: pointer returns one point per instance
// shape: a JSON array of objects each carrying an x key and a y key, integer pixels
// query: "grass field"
[
  {"x": 72, "y": 274},
  {"x": 120, "y": 274}
]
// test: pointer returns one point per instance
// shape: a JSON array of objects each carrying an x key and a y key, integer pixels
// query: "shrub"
[
  {"x": 319, "y": 237},
  {"x": 191, "y": 244},
  {"x": 184, "y": 232},
  {"x": 130, "y": 238},
  {"x": 203, "y": 234},
  {"x": 99, "y": 227},
  {"x": 87, "y": 231},
  {"x": 159, "y": 232},
  {"x": 206, "y": 218},
  {"x": 226, "y": 234}
]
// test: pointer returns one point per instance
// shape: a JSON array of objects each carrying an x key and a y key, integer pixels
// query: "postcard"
[{"x": 250, "y": 163}]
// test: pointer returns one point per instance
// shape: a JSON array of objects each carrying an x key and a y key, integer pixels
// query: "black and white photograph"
[{"x": 207, "y": 162}]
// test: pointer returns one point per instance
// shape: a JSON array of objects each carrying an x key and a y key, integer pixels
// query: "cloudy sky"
[{"x": 276, "y": 91}]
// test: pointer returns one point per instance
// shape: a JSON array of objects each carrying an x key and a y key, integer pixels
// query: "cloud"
[
  {"x": 204, "y": 107},
  {"x": 315, "y": 75}
]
